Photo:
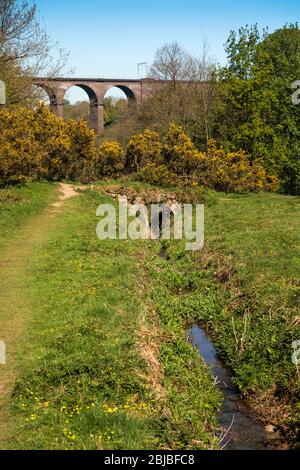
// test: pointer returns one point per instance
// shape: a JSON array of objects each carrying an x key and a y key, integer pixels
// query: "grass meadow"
[{"x": 102, "y": 361}]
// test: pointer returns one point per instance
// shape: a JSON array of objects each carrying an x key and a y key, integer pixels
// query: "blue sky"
[{"x": 109, "y": 38}]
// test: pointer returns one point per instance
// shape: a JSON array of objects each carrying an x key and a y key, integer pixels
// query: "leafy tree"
[
  {"x": 114, "y": 110},
  {"x": 282, "y": 48},
  {"x": 78, "y": 111},
  {"x": 258, "y": 114}
]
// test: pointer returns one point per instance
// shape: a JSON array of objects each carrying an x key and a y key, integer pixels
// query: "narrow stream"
[{"x": 238, "y": 429}]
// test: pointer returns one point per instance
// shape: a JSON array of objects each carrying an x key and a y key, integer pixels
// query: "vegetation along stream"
[{"x": 239, "y": 430}]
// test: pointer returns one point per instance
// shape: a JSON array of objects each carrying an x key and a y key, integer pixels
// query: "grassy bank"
[
  {"x": 18, "y": 203},
  {"x": 90, "y": 375},
  {"x": 244, "y": 288}
]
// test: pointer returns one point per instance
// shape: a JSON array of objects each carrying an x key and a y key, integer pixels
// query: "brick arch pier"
[{"x": 96, "y": 89}]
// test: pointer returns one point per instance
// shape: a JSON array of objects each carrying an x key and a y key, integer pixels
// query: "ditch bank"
[{"x": 238, "y": 429}]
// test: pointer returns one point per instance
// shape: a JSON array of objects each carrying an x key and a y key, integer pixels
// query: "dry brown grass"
[
  {"x": 270, "y": 410},
  {"x": 149, "y": 339}
]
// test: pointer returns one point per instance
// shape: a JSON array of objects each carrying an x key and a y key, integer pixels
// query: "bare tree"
[
  {"x": 206, "y": 95},
  {"x": 25, "y": 49},
  {"x": 171, "y": 62},
  {"x": 182, "y": 89}
]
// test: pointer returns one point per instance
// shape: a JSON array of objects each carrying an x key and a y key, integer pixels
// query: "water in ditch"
[{"x": 238, "y": 430}]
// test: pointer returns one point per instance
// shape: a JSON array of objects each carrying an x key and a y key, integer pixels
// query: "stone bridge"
[{"x": 96, "y": 89}]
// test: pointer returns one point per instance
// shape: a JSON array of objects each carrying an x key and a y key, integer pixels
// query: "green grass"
[
  {"x": 18, "y": 203},
  {"x": 244, "y": 287},
  {"x": 86, "y": 376},
  {"x": 104, "y": 363},
  {"x": 22, "y": 235}
]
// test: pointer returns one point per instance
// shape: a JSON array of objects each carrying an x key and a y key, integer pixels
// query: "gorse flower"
[
  {"x": 111, "y": 159},
  {"x": 37, "y": 144},
  {"x": 143, "y": 149}
]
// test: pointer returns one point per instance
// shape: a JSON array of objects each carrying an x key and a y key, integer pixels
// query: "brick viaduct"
[{"x": 56, "y": 88}]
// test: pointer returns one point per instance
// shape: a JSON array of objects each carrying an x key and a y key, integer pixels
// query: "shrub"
[
  {"x": 111, "y": 159},
  {"x": 180, "y": 154},
  {"x": 157, "y": 174},
  {"x": 82, "y": 155},
  {"x": 142, "y": 149},
  {"x": 53, "y": 142},
  {"x": 20, "y": 156},
  {"x": 69, "y": 147},
  {"x": 37, "y": 144},
  {"x": 233, "y": 171}
]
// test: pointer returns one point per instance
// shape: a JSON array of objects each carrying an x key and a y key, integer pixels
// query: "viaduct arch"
[{"x": 96, "y": 90}]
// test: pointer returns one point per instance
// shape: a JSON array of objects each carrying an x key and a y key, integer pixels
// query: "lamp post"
[
  {"x": 140, "y": 66},
  {"x": 2, "y": 94}
]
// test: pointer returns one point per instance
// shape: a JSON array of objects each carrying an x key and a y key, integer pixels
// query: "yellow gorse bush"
[
  {"x": 37, "y": 144},
  {"x": 142, "y": 149},
  {"x": 177, "y": 160},
  {"x": 53, "y": 142},
  {"x": 111, "y": 159},
  {"x": 179, "y": 152},
  {"x": 82, "y": 155},
  {"x": 157, "y": 174},
  {"x": 233, "y": 171},
  {"x": 20, "y": 155}
]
